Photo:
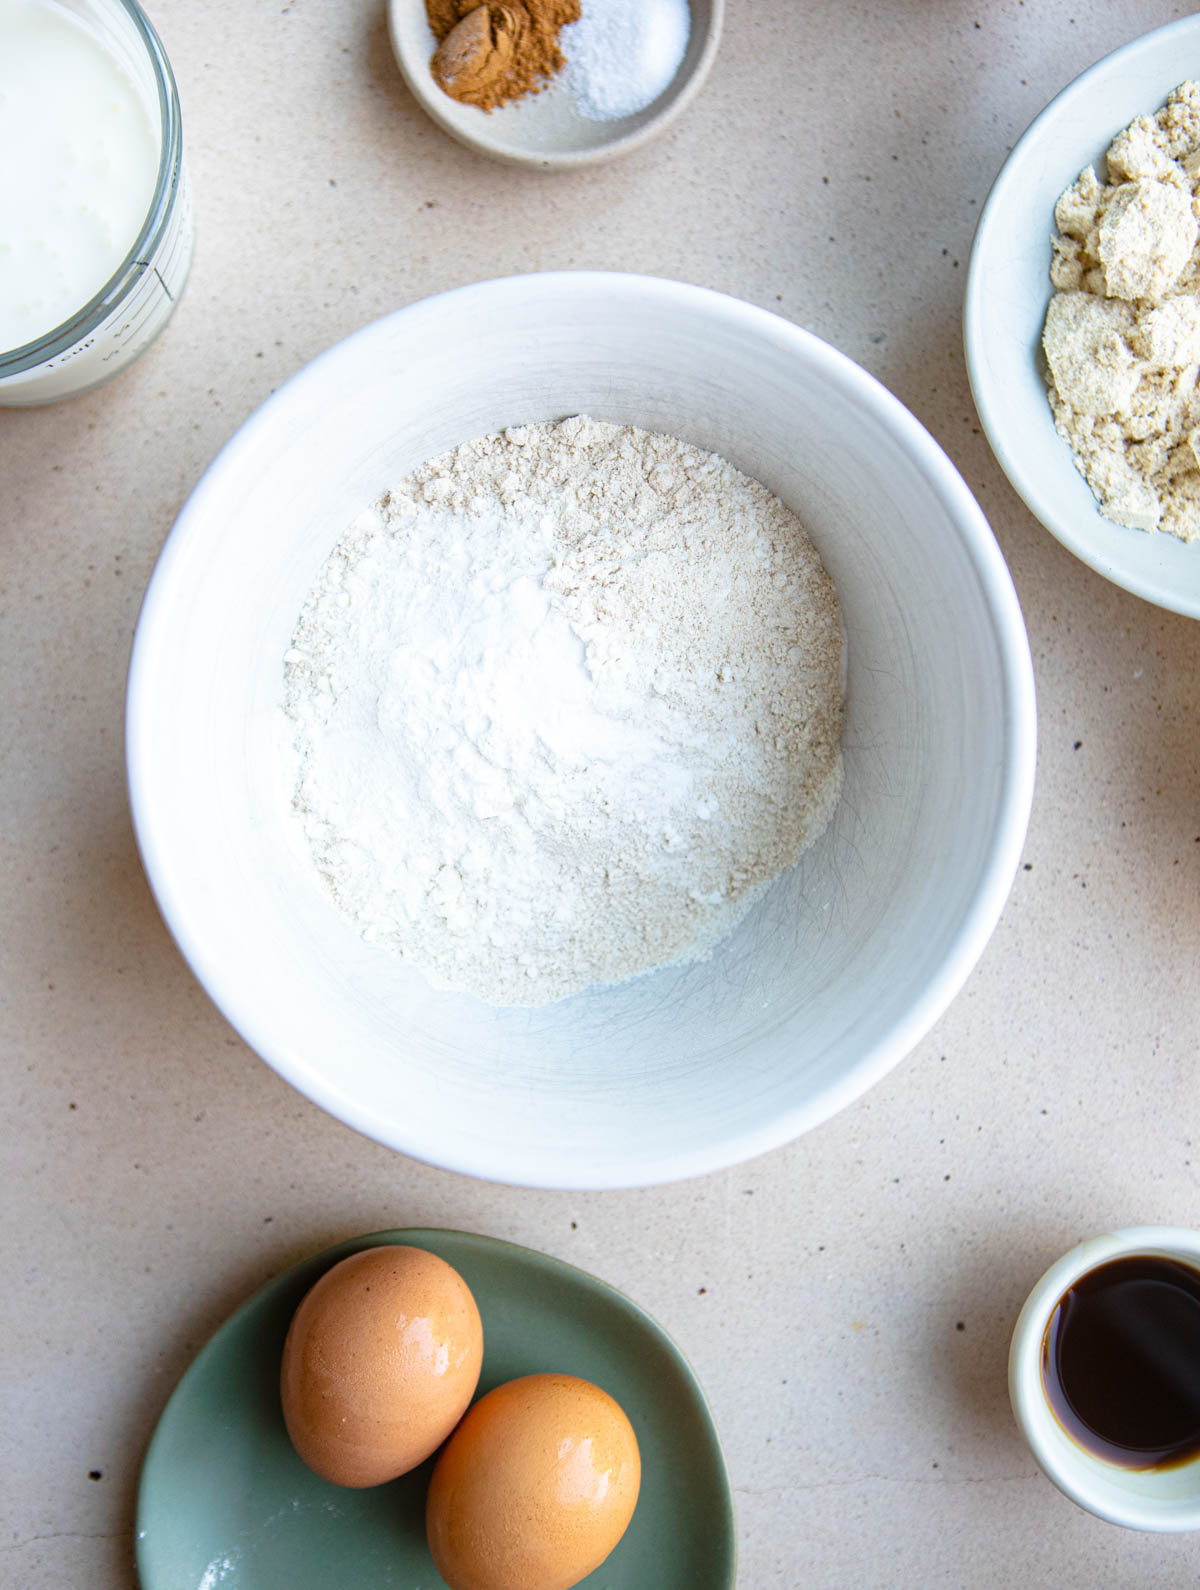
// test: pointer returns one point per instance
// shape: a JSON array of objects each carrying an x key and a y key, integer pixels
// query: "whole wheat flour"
[
  {"x": 566, "y": 700},
  {"x": 1122, "y": 334}
]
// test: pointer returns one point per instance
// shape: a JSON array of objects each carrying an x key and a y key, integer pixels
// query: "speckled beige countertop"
[{"x": 847, "y": 1301}]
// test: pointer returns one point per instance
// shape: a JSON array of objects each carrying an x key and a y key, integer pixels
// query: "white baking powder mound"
[
  {"x": 622, "y": 54},
  {"x": 566, "y": 700}
]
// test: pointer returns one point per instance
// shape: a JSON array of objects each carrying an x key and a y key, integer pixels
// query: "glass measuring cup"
[{"x": 125, "y": 315}]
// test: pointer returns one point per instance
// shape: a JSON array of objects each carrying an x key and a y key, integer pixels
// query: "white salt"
[{"x": 622, "y": 54}]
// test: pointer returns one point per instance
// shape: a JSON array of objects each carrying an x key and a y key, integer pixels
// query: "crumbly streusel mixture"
[{"x": 1122, "y": 334}]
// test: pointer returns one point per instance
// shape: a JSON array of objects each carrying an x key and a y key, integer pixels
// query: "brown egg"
[
  {"x": 380, "y": 1363},
  {"x": 535, "y": 1487}
]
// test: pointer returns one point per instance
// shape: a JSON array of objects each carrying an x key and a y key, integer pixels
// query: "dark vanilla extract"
[{"x": 1121, "y": 1362}]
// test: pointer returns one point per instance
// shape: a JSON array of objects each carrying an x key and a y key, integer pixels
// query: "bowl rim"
[
  {"x": 997, "y": 870},
  {"x": 1069, "y": 1468},
  {"x": 975, "y": 327},
  {"x": 432, "y": 101}
]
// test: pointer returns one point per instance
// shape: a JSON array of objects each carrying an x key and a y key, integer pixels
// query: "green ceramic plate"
[{"x": 225, "y": 1503}]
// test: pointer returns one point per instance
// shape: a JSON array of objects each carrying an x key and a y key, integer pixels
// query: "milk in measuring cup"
[{"x": 85, "y": 170}]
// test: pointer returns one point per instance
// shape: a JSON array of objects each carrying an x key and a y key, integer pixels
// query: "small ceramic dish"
[
  {"x": 1008, "y": 290},
  {"x": 545, "y": 129},
  {"x": 1160, "y": 1499},
  {"x": 224, "y": 1502}
]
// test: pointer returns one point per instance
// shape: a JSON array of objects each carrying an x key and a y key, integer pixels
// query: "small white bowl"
[
  {"x": 1162, "y": 1500},
  {"x": 1008, "y": 290},
  {"x": 545, "y": 130},
  {"x": 840, "y": 968}
]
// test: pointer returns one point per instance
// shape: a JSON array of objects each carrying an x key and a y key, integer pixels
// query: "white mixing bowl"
[{"x": 845, "y": 963}]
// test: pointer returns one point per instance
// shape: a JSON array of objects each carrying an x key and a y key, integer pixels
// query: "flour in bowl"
[{"x": 566, "y": 701}]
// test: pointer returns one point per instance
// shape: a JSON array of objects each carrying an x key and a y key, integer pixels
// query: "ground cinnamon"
[{"x": 492, "y": 53}]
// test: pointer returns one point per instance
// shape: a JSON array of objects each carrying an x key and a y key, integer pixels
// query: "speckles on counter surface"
[{"x": 1075, "y": 1008}]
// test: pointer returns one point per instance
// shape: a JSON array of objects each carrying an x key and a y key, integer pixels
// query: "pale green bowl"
[{"x": 225, "y": 1504}]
